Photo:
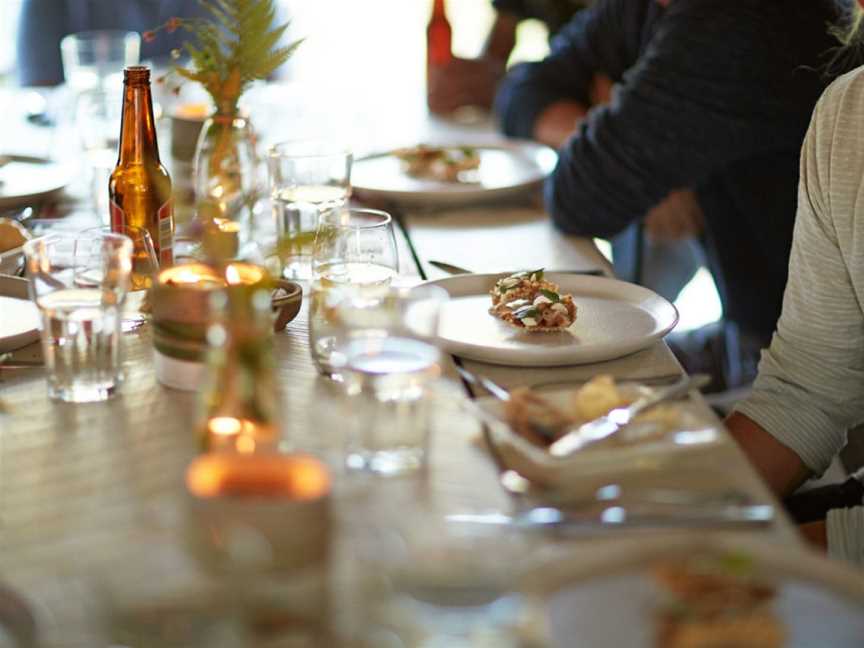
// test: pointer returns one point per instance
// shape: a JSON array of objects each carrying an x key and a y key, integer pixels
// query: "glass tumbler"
[
  {"x": 94, "y": 60},
  {"x": 79, "y": 283},
  {"x": 385, "y": 352},
  {"x": 308, "y": 179}
]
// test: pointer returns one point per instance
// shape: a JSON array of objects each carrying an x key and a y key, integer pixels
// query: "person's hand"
[
  {"x": 678, "y": 216},
  {"x": 601, "y": 90},
  {"x": 463, "y": 82}
]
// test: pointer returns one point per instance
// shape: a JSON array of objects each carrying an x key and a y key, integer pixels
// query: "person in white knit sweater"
[{"x": 810, "y": 388}]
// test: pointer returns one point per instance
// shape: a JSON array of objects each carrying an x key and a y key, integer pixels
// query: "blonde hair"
[{"x": 850, "y": 33}]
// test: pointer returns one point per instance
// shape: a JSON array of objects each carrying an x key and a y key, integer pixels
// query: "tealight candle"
[
  {"x": 180, "y": 300},
  {"x": 265, "y": 520},
  {"x": 291, "y": 477}
]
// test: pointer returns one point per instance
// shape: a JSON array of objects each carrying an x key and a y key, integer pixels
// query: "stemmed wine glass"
[{"x": 354, "y": 253}]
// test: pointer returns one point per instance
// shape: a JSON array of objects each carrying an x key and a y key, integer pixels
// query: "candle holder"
[
  {"x": 263, "y": 521},
  {"x": 181, "y": 313}
]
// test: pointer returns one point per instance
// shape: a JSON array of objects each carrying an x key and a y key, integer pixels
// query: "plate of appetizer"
[
  {"x": 537, "y": 319},
  {"x": 697, "y": 591},
  {"x": 531, "y": 420},
  {"x": 427, "y": 174}
]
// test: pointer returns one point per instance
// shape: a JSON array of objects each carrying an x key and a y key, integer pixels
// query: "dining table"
[{"x": 93, "y": 500}]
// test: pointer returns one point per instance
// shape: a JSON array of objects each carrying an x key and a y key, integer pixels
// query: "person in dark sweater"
[{"x": 711, "y": 104}]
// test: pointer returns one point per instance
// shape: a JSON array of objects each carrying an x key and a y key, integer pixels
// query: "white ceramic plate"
[
  {"x": 506, "y": 168},
  {"x": 608, "y": 601},
  {"x": 614, "y": 319},
  {"x": 24, "y": 180},
  {"x": 19, "y": 323}
]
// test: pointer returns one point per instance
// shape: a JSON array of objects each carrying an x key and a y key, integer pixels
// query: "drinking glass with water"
[
  {"x": 354, "y": 251},
  {"x": 308, "y": 179},
  {"x": 385, "y": 352},
  {"x": 79, "y": 282}
]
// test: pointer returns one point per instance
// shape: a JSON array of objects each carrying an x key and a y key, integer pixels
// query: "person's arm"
[
  {"x": 780, "y": 467},
  {"x": 41, "y": 26},
  {"x": 473, "y": 82},
  {"x": 502, "y": 37},
  {"x": 808, "y": 391},
  {"x": 547, "y": 99},
  {"x": 695, "y": 102}
]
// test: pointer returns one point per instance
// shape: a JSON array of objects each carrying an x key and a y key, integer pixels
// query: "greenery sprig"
[{"x": 236, "y": 45}]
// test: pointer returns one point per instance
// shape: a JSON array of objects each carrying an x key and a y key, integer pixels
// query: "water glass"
[
  {"x": 428, "y": 582},
  {"x": 308, "y": 178},
  {"x": 354, "y": 251},
  {"x": 145, "y": 267},
  {"x": 94, "y": 60},
  {"x": 385, "y": 352},
  {"x": 79, "y": 283}
]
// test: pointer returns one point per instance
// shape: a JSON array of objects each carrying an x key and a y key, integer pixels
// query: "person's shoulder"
[
  {"x": 845, "y": 87},
  {"x": 842, "y": 103}
]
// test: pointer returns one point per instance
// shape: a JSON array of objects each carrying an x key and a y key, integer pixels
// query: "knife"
[
  {"x": 617, "y": 517},
  {"x": 449, "y": 268}
]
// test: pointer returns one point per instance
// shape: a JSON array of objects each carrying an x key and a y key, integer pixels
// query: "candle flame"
[
  {"x": 232, "y": 275},
  {"x": 224, "y": 425}
]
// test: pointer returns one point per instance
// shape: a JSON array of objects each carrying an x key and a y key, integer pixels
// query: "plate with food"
[
  {"x": 445, "y": 174},
  {"x": 524, "y": 427},
  {"x": 697, "y": 591},
  {"x": 12, "y": 239},
  {"x": 537, "y": 319}
]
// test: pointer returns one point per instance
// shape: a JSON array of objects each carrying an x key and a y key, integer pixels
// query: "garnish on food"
[
  {"x": 443, "y": 163},
  {"x": 715, "y": 602},
  {"x": 528, "y": 301},
  {"x": 542, "y": 422}
]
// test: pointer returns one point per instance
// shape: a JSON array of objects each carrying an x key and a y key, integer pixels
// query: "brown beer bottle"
[
  {"x": 439, "y": 37},
  {"x": 140, "y": 187}
]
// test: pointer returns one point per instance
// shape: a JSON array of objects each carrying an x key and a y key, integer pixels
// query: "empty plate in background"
[{"x": 25, "y": 180}]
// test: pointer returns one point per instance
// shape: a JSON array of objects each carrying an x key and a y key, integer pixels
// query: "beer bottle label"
[
  {"x": 166, "y": 236},
  {"x": 118, "y": 217}
]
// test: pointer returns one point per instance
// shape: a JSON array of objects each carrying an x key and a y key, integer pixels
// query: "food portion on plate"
[
  {"x": 715, "y": 601},
  {"x": 12, "y": 235},
  {"x": 542, "y": 422},
  {"x": 526, "y": 300},
  {"x": 441, "y": 163}
]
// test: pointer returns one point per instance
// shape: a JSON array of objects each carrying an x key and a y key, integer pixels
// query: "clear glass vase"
[{"x": 226, "y": 174}]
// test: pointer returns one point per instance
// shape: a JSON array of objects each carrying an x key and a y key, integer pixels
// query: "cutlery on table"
[
  {"x": 499, "y": 392},
  {"x": 578, "y": 437},
  {"x": 449, "y": 268},
  {"x": 567, "y": 522}
]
